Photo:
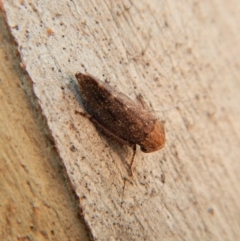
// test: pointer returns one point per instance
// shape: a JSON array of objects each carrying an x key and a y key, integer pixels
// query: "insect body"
[{"x": 119, "y": 117}]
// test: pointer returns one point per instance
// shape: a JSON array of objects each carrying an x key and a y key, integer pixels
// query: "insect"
[{"x": 119, "y": 117}]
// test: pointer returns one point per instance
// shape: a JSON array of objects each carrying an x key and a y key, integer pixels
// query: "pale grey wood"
[{"x": 184, "y": 58}]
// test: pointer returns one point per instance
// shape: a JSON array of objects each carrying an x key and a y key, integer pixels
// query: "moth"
[{"x": 119, "y": 117}]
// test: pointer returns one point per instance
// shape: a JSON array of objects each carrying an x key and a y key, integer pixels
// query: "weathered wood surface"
[
  {"x": 184, "y": 58},
  {"x": 36, "y": 201}
]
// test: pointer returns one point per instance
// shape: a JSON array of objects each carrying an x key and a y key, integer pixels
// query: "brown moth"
[{"x": 120, "y": 118}]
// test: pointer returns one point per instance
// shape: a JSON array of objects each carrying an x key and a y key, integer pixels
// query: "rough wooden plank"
[
  {"x": 36, "y": 201},
  {"x": 184, "y": 59}
]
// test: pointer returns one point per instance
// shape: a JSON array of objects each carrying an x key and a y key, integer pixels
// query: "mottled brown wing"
[{"x": 115, "y": 111}]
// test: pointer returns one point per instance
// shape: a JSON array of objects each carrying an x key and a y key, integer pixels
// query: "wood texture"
[
  {"x": 184, "y": 58},
  {"x": 36, "y": 200}
]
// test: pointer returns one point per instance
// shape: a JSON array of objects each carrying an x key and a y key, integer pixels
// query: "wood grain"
[{"x": 36, "y": 200}]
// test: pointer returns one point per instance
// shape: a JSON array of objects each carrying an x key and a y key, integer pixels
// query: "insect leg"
[
  {"x": 142, "y": 101},
  {"x": 111, "y": 135},
  {"x": 134, "y": 153}
]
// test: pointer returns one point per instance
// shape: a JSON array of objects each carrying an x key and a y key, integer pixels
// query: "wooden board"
[
  {"x": 184, "y": 59},
  {"x": 36, "y": 200}
]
